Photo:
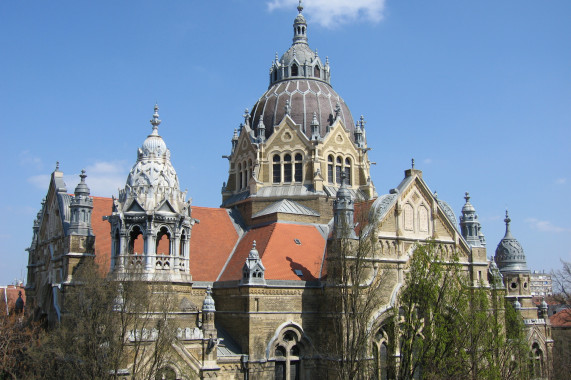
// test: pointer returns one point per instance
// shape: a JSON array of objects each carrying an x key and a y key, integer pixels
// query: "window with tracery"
[
  {"x": 294, "y": 70},
  {"x": 298, "y": 168},
  {"x": 286, "y": 169},
  {"x": 287, "y": 355},
  {"x": 330, "y": 177}
]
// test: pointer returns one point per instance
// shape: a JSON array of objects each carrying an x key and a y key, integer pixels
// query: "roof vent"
[
  {"x": 297, "y": 241},
  {"x": 298, "y": 272}
]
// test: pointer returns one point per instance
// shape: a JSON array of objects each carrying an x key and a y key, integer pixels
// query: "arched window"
[
  {"x": 250, "y": 170},
  {"x": 277, "y": 169},
  {"x": 347, "y": 170},
  {"x": 338, "y": 167},
  {"x": 239, "y": 177},
  {"x": 298, "y": 168},
  {"x": 275, "y": 75},
  {"x": 317, "y": 71},
  {"x": 163, "y": 242},
  {"x": 287, "y": 354},
  {"x": 294, "y": 70},
  {"x": 287, "y": 168},
  {"x": 136, "y": 243},
  {"x": 330, "y": 169},
  {"x": 536, "y": 361}
]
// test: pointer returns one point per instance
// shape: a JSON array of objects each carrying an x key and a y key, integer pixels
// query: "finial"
[
  {"x": 254, "y": 242},
  {"x": 246, "y": 117},
  {"x": 155, "y": 120},
  {"x": 314, "y": 120},
  {"x": 82, "y": 175},
  {"x": 316, "y": 55},
  {"x": 235, "y": 137},
  {"x": 362, "y": 122},
  {"x": 343, "y": 179},
  {"x": 287, "y": 108},
  {"x": 57, "y": 166},
  {"x": 326, "y": 60},
  {"x": 435, "y": 195},
  {"x": 337, "y": 110},
  {"x": 412, "y": 163},
  {"x": 209, "y": 291},
  {"x": 507, "y": 220},
  {"x": 277, "y": 56},
  {"x": 467, "y": 197},
  {"x": 300, "y": 7}
]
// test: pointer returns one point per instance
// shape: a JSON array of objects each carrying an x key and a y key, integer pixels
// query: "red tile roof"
[
  {"x": 211, "y": 242},
  {"x": 10, "y": 294},
  {"x": 561, "y": 319},
  {"x": 280, "y": 254}
]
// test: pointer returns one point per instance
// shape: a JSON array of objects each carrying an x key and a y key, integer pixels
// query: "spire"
[
  {"x": 261, "y": 130},
  {"x": 155, "y": 121},
  {"x": 507, "y": 220},
  {"x": 314, "y": 127}
]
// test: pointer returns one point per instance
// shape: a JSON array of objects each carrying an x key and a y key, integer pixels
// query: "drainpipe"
[{"x": 244, "y": 360}]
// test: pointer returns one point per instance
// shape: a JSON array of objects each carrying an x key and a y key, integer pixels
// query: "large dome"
[
  {"x": 302, "y": 79},
  {"x": 305, "y": 97}
]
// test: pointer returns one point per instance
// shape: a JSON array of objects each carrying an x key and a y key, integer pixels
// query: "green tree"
[
  {"x": 450, "y": 329},
  {"x": 108, "y": 325}
]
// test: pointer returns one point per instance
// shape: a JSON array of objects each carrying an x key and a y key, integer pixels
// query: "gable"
[
  {"x": 166, "y": 207},
  {"x": 135, "y": 207}
]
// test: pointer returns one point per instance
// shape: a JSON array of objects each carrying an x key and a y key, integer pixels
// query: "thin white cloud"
[
  {"x": 545, "y": 226},
  {"x": 427, "y": 161},
  {"x": 330, "y": 13},
  {"x": 26, "y": 158},
  {"x": 103, "y": 178},
  {"x": 561, "y": 181}
]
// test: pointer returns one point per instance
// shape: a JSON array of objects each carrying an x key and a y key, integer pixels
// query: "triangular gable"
[
  {"x": 135, "y": 207},
  {"x": 287, "y": 131},
  {"x": 166, "y": 207}
]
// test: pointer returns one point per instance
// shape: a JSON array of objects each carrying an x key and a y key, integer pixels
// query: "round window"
[{"x": 513, "y": 285}]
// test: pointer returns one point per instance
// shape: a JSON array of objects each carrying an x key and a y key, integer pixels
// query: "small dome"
[
  {"x": 301, "y": 52},
  {"x": 510, "y": 256}
]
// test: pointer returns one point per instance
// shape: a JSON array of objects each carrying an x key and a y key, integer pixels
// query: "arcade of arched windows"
[
  {"x": 287, "y": 169},
  {"x": 536, "y": 365},
  {"x": 165, "y": 249},
  {"x": 337, "y": 165},
  {"x": 244, "y": 172}
]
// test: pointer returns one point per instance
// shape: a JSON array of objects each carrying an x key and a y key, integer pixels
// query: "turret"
[
  {"x": 470, "y": 226},
  {"x": 253, "y": 269},
  {"x": 343, "y": 210},
  {"x": 81, "y": 207}
]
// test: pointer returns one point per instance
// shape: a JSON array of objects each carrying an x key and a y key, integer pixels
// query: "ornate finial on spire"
[
  {"x": 246, "y": 117},
  {"x": 82, "y": 175},
  {"x": 337, "y": 110},
  {"x": 362, "y": 122},
  {"x": 467, "y": 197},
  {"x": 412, "y": 161},
  {"x": 254, "y": 252},
  {"x": 435, "y": 195},
  {"x": 507, "y": 220},
  {"x": 300, "y": 7},
  {"x": 57, "y": 166},
  {"x": 287, "y": 108},
  {"x": 277, "y": 58},
  {"x": 155, "y": 120},
  {"x": 326, "y": 61}
]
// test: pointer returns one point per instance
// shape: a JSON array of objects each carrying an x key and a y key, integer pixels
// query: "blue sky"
[{"x": 478, "y": 92}]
